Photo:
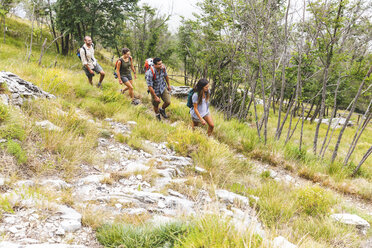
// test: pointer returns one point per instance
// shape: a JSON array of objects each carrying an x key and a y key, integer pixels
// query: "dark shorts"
[
  {"x": 126, "y": 78},
  {"x": 97, "y": 69},
  {"x": 165, "y": 96}
]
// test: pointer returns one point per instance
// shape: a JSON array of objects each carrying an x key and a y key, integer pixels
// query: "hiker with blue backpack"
[
  {"x": 124, "y": 65},
  {"x": 158, "y": 85},
  {"x": 198, "y": 101},
  {"x": 90, "y": 64}
]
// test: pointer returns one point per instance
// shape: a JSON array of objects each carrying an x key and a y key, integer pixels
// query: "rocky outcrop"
[
  {"x": 138, "y": 183},
  {"x": 352, "y": 219},
  {"x": 19, "y": 89},
  {"x": 180, "y": 91}
]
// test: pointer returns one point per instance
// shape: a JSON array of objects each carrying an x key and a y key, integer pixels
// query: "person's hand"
[
  {"x": 203, "y": 122},
  {"x": 120, "y": 82},
  {"x": 135, "y": 76},
  {"x": 157, "y": 99},
  {"x": 169, "y": 88},
  {"x": 91, "y": 72}
]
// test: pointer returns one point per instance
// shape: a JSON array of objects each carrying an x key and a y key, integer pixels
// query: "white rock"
[
  {"x": 2, "y": 181},
  {"x": 200, "y": 170},
  {"x": 176, "y": 194},
  {"x": 139, "y": 177},
  {"x": 281, "y": 242},
  {"x": 118, "y": 205},
  {"x": 135, "y": 167},
  {"x": 132, "y": 123},
  {"x": 13, "y": 229},
  {"x": 229, "y": 197},
  {"x": 25, "y": 183},
  {"x": 351, "y": 219},
  {"x": 56, "y": 184},
  {"x": 70, "y": 225},
  {"x": 4, "y": 99},
  {"x": 161, "y": 205},
  {"x": 47, "y": 125},
  {"x": 60, "y": 231},
  {"x": 69, "y": 213}
]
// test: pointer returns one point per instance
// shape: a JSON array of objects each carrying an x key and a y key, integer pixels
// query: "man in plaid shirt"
[{"x": 159, "y": 87}]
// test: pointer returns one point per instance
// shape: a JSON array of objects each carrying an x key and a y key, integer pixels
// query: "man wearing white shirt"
[{"x": 90, "y": 64}]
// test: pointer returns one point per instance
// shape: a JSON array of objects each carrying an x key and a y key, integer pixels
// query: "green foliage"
[
  {"x": 275, "y": 208},
  {"x": 16, "y": 150},
  {"x": 12, "y": 131},
  {"x": 4, "y": 113},
  {"x": 142, "y": 236},
  {"x": 293, "y": 152},
  {"x": 314, "y": 200},
  {"x": 213, "y": 231}
]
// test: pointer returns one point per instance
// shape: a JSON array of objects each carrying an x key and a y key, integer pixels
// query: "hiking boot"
[
  {"x": 99, "y": 85},
  {"x": 135, "y": 102},
  {"x": 158, "y": 117},
  {"x": 162, "y": 112}
]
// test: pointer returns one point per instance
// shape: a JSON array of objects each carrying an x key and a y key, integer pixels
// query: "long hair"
[{"x": 199, "y": 89}]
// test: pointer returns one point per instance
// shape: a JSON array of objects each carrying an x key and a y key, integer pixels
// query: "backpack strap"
[
  {"x": 153, "y": 72},
  {"x": 85, "y": 51}
]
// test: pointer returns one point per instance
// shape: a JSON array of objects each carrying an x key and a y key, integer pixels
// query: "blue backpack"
[{"x": 189, "y": 99}]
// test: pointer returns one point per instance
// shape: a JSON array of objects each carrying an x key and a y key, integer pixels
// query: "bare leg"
[
  {"x": 102, "y": 76},
  {"x": 90, "y": 80},
  {"x": 209, "y": 121},
  {"x": 130, "y": 88}
]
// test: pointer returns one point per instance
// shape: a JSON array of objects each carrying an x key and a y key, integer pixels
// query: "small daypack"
[
  {"x": 78, "y": 52},
  {"x": 116, "y": 64},
  {"x": 189, "y": 99},
  {"x": 85, "y": 51}
]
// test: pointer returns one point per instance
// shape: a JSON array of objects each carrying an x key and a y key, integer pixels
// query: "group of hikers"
[{"x": 157, "y": 81}]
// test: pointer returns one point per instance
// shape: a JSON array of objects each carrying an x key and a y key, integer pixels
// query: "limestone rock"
[
  {"x": 230, "y": 197},
  {"x": 47, "y": 125},
  {"x": 352, "y": 219},
  {"x": 134, "y": 167},
  {"x": 180, "y": 91},
  {"x": 21, "y": 89},
  {"x": 281, "y": 242}
]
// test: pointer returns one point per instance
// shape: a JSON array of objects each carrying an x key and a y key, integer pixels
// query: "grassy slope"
[{"x": 283, "y": 208}]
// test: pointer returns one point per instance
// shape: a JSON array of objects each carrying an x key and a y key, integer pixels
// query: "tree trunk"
[
  {"x": 42, "y": 51},
  {"x": 334, "y": 155},
  {"x": 32, "y": 33},
  {"x": 52, "y": 24},
  {"x": 4, "y": 27},
  {"x": 368, "y": 153}
]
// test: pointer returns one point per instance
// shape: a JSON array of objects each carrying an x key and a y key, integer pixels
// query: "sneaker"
[
  {"x": 99, "y": 85},
  {"x": 158, "y": 117},
  {"x": 162, "y": 112},
  {"x": 135, "y": 102}
]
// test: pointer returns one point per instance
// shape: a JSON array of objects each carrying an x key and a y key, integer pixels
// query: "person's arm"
[
  {"x": 118, "y": 65},
  {"x": 150, "y": 84},
  {"x": 132, "y": 66},
  {"x": 83, "y": 56},
  {"x": 167, "y": 80}
]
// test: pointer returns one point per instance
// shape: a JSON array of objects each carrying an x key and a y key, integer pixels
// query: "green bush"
[
  {"x": 314, "y": 200},
  {"x": 293, "y": 152},
  {"x": 4, "y": 113},
  {"x": 12, "y": 131},
  {"x": 16, "y": 150},
  {"x": 212, "y": 231},
  {"x": 143, "y": 236}
]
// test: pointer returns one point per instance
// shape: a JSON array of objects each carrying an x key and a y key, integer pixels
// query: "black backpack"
[{"x": 189, "y": 99}]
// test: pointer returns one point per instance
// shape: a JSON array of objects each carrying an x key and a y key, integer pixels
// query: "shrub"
[
  {"x": 12, "y": 131},
  {"x": 16, "y": 150},
  {"x": 143, "y": 236},
  {"x": 4, "y": 113},
  {"x": 293, "y": 152},
  {"x": 314, "y": 200}
]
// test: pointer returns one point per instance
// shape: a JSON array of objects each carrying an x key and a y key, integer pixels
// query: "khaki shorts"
[{"x": 165, "y": 96}]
